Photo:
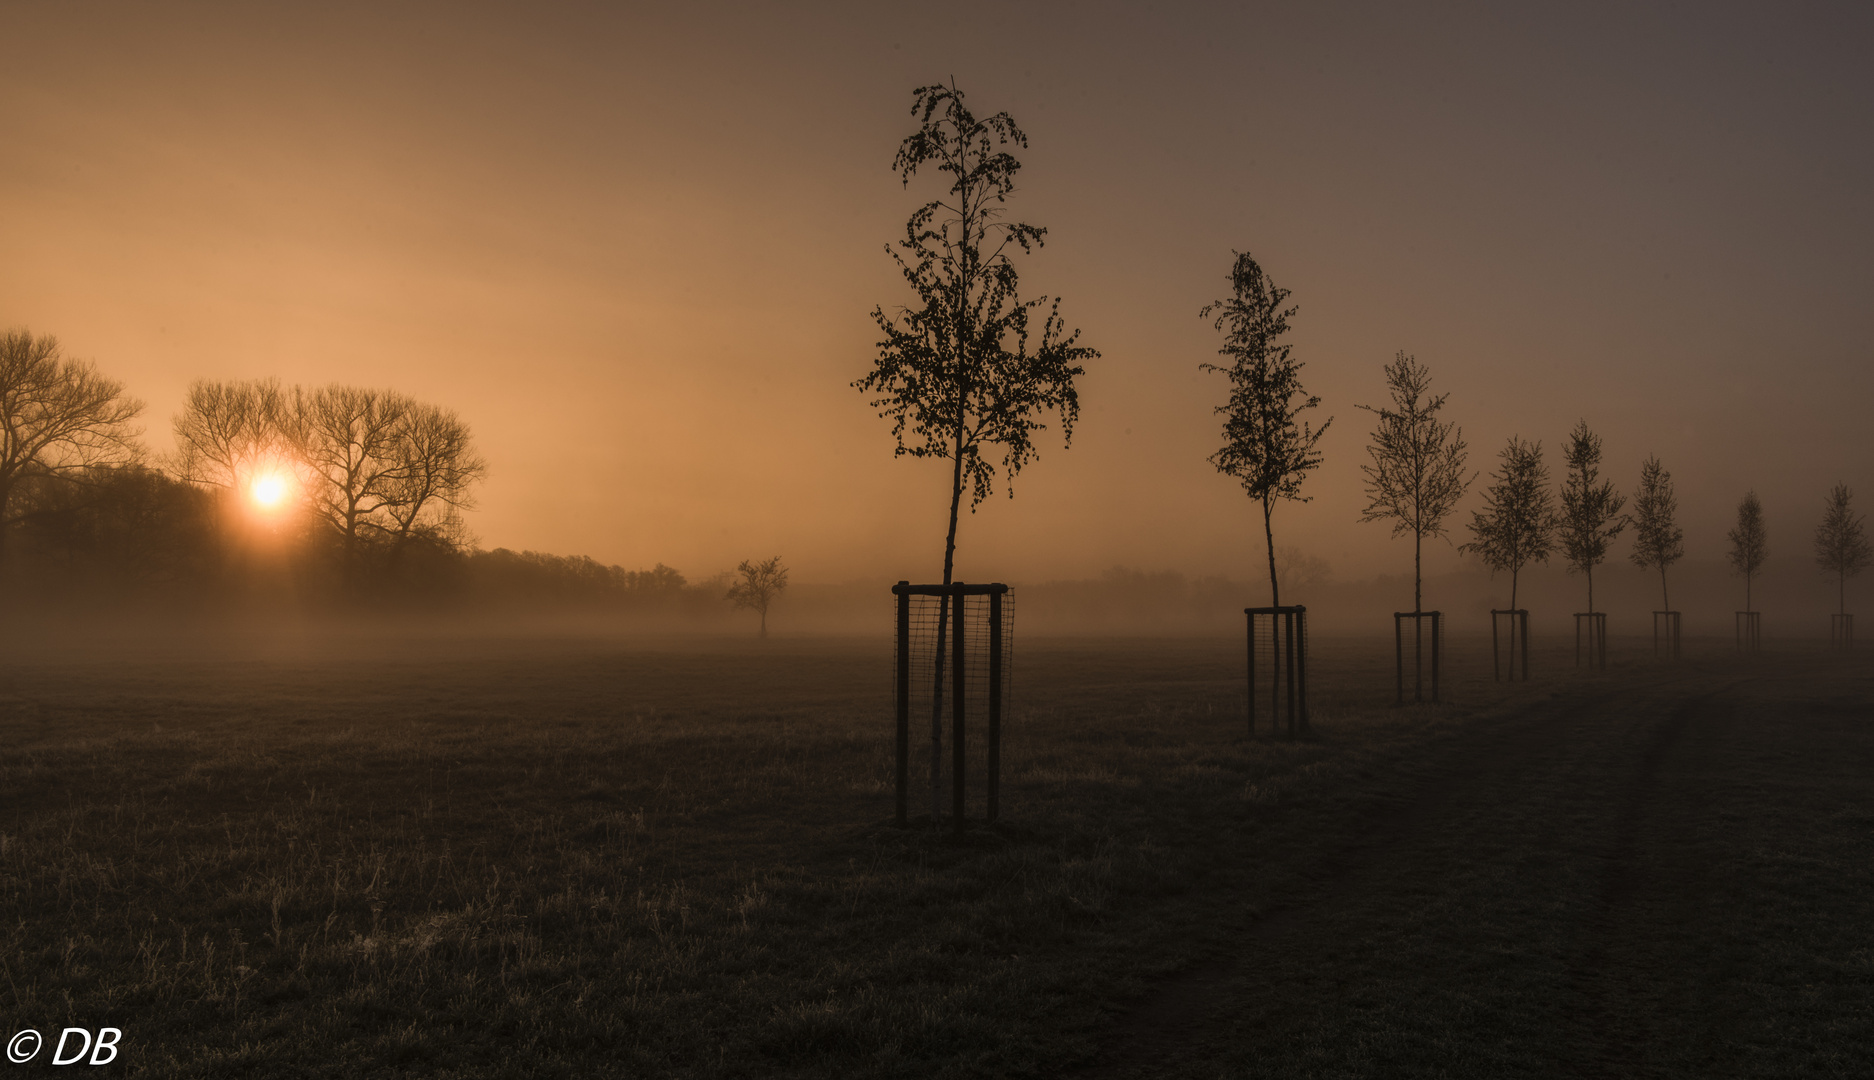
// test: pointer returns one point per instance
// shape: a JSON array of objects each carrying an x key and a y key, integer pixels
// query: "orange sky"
[{"x": 638, "y": 252}]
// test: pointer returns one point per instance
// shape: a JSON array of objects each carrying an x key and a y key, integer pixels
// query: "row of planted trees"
[
  {"x": 974, "y": 366},
  {"x": 1417, "y": 472}
]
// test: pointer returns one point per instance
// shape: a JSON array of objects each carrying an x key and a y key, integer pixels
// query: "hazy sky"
[{"x": 637, "y": 251}]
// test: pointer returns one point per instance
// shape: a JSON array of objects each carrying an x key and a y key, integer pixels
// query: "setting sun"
[{"x": 269, "y": 491}]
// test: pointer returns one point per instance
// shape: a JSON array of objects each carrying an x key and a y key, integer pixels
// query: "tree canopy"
[
  {"x": 1267, "y": 447},
  {"x": 971, "y": 365}
]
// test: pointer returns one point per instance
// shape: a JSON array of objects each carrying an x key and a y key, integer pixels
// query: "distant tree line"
[{"x": 335, "y": 496}]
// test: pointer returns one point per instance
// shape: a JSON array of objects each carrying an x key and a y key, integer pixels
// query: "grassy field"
[{"x": 345, "y": 856}]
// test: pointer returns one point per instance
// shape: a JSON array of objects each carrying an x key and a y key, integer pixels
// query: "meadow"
[{"x": 349, "y": 854}]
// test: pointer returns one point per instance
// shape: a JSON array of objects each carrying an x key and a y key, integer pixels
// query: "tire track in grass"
[
  {"x": 1604, "y": 1038},
  {"x": 1180, "y": 1011}
]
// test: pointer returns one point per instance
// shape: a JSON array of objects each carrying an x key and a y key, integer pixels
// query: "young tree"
[
  {"x": 1841, "y": 544},
  {"x": 58, "y": 418},
  {"x": 1516, "y": 527},
  {"x": 973, "y": 365},
  {"x": 761, "y": 582},
  {"x": 1658, "y": 541},
  {"x": 1416, "y": 474},
  {"x": 968, "y": 368},
  {"x": 1750, "y": 544},
  {"x": 1591, "y": 516},
  {"x": 1266, "y": 445}
]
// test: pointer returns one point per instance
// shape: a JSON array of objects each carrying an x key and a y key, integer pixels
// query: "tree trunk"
[
  {"x": 1665, "y": 596},
  {"x": 1513, "y": 572},
  {"x": 764, "y": 620},
  {"x": 1590, "y": 589},
  {"x": 1268, "y": 536}
]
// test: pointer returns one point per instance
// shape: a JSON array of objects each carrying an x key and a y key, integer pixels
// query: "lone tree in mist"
[
  {"x": 1591, "y": 516},
  {"x": 760, "y": 583},
  {"x": 1416, "y": 473},
  {"x": 1658, "y": 540},
  {"x": 1841, "y": 545},
  {"x": 59, "y": 419},
  {"x": 1750, "y": 544},
  {"x": 1266, "y": 445},
  {"x": 972, "y": 365},
  {"x": 1516, "y": 527}
]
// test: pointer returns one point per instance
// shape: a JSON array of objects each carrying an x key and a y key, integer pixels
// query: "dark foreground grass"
[{"x": 580, "y": 858}]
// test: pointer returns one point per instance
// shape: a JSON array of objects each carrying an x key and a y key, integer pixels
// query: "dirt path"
[{"x": 1667, "y": 875}]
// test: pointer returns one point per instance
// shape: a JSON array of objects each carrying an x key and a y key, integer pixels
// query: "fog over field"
[{"x": 888, "y": 541}]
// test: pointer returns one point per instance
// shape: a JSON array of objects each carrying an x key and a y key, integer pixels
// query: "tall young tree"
[
  {"x": 1591, "y": 516},
  {"x": 1841, "y": 544},
  {"x": 1658, "y": 541},
  {"x": 1266, "y": 444},
  {"x": 1750, "y": 542},
  {"x": 973, "y": 365},
  {"x": 58, "y": 418},
  {"x": 1416, "y": 473},
  {"x": 1517, "y": 524}
]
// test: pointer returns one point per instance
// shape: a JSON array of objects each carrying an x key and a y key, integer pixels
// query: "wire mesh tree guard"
[
  {"x": 961, "y": 635},
  {"x": 1517, "y": 638},
  {"x": 1841, "y": 631},
  {"x": 1288, "y": 666},
  {"x": 1666, "y": 634},
  {"x": 1591, "y": 640},
  {"x": 1418, "y": 652},
  {"x": 1749, "y": 631}
]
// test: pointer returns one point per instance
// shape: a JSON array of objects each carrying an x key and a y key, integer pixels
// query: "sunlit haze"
[{"x": 637, "y": 250}]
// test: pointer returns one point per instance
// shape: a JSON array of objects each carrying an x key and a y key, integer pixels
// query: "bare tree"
[
  {"x": 1841, "y": 544},
  {"x": 1591, "y": 516},
  {"x": 227, "y": 431},
  {"x": 760, "y": 583},
  {"x": 432, "y": 479},
  {"x": 1416, "y": 475},
  {"x": 1658, "y": 540},
  {"x": 968, "y": 368},
  {"x": 1516, "y": 527},
  {"x": 58, "y": 418},
  {"x": 1266, "y": 445},
  {"x": 348, "y": 439},
  {"x": 1750, "y": 543}
]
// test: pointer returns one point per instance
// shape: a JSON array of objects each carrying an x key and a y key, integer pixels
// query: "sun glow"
[{"x": 268, "y": 490}]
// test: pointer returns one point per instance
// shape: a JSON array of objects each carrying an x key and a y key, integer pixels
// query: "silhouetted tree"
[
  {"x": 1750, "y": 543},
  {"x": 347, "y": 438},
  {"x": 434, "y": 477},
  {"x": 58, "y": 418},
  {"x": 228, "y": 431},
  {"x": 1841, "y": 544},
  {"x": 760, "y": 583},
  {"x": 379, "y": 469},
  {"x": 1658, "y": 540},
  {"x": 1416, "y": 475},
  {"x": 966, "y": 368},
  {"x": 1517, "y": 524},
  {"x": 1591, "y": 516},
  {"x": 1266, "y": 445}
]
